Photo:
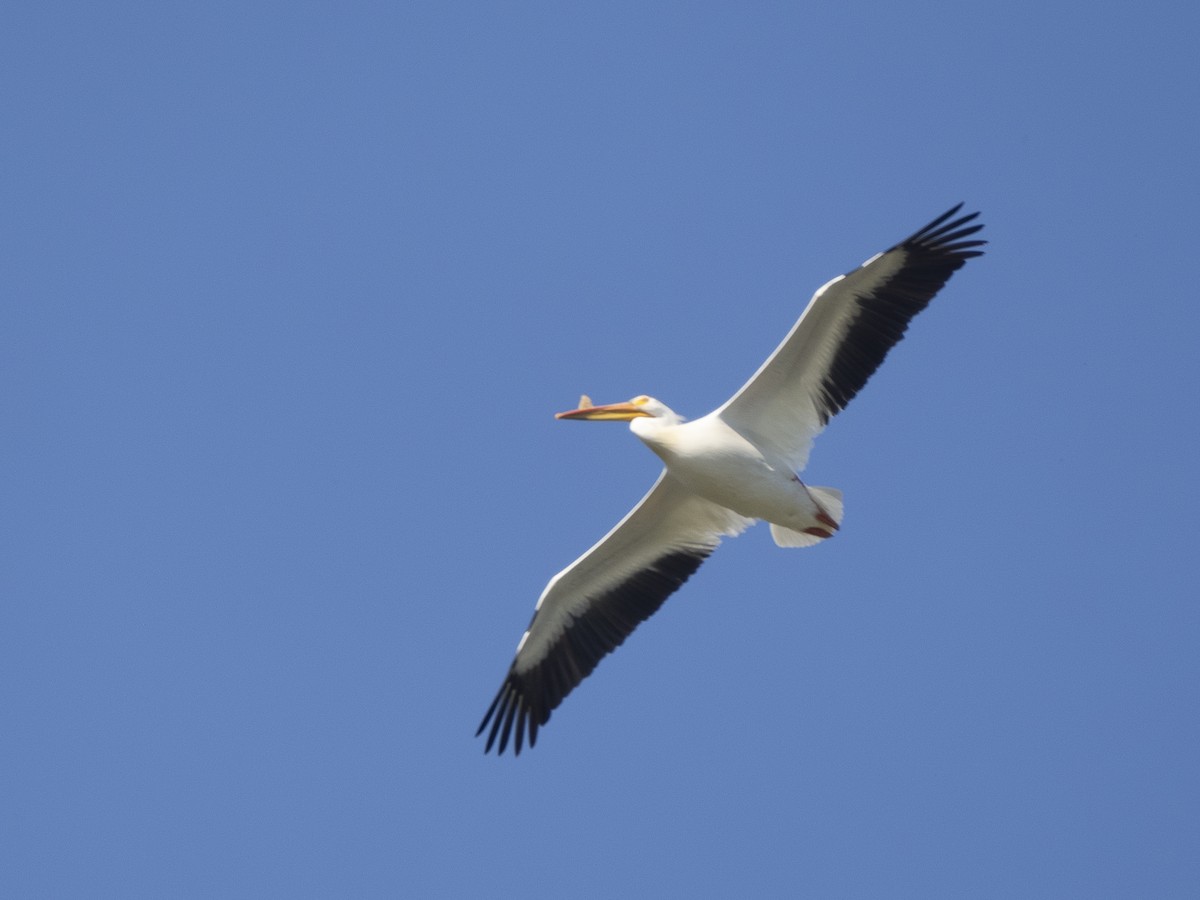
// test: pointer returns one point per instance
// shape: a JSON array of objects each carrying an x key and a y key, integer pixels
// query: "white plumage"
[{"x": 724, "y": 471}]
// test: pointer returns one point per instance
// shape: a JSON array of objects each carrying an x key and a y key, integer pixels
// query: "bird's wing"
[
  {"x": 590, "y": 607},
  {"x": 843, "y": 335}
]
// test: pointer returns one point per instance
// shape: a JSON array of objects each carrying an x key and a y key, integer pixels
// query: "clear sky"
[{"x": 291, "y": 292}]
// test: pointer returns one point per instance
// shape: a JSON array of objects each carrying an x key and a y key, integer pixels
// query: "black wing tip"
[
  {"x": 509, "y": 709},
  {"x": 946, "y": 235},
  {"x": 512, "y": 717}
]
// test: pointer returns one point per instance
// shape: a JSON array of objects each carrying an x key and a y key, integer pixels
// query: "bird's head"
[{"x": 638, "y": 407}]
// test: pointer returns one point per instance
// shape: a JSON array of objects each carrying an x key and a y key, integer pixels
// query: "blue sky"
[{"x": 291, "y": 292}]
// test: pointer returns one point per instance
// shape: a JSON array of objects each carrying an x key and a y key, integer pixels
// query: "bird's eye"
[{"x": 641, "y": 400}]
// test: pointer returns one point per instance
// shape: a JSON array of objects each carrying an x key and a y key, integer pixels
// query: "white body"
[{"x": 717, "y": 463}]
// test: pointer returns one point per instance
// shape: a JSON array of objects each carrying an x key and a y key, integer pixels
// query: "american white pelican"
[{"x": 724, "y": 471}]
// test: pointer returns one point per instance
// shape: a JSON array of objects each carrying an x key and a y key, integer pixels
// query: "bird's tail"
[{"x": 829, "y": 519}]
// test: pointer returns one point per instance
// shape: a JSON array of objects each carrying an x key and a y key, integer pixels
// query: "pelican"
[{"x": 723, "y": 472}]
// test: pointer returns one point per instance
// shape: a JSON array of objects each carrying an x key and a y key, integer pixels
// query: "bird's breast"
[{"x": 715, "y": 462}]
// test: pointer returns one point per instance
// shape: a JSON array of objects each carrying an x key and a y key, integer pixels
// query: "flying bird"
[{"x": 724, "y": 471}]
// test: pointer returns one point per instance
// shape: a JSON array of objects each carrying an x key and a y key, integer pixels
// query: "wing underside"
[
  {"x": 589, "y": 608},
  {"x": 843, "y": 336}
]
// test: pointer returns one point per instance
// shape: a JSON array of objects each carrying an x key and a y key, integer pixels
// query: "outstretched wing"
[
  {"x": 842, "y": 337},
  {"x": 589, "y": 608}
]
